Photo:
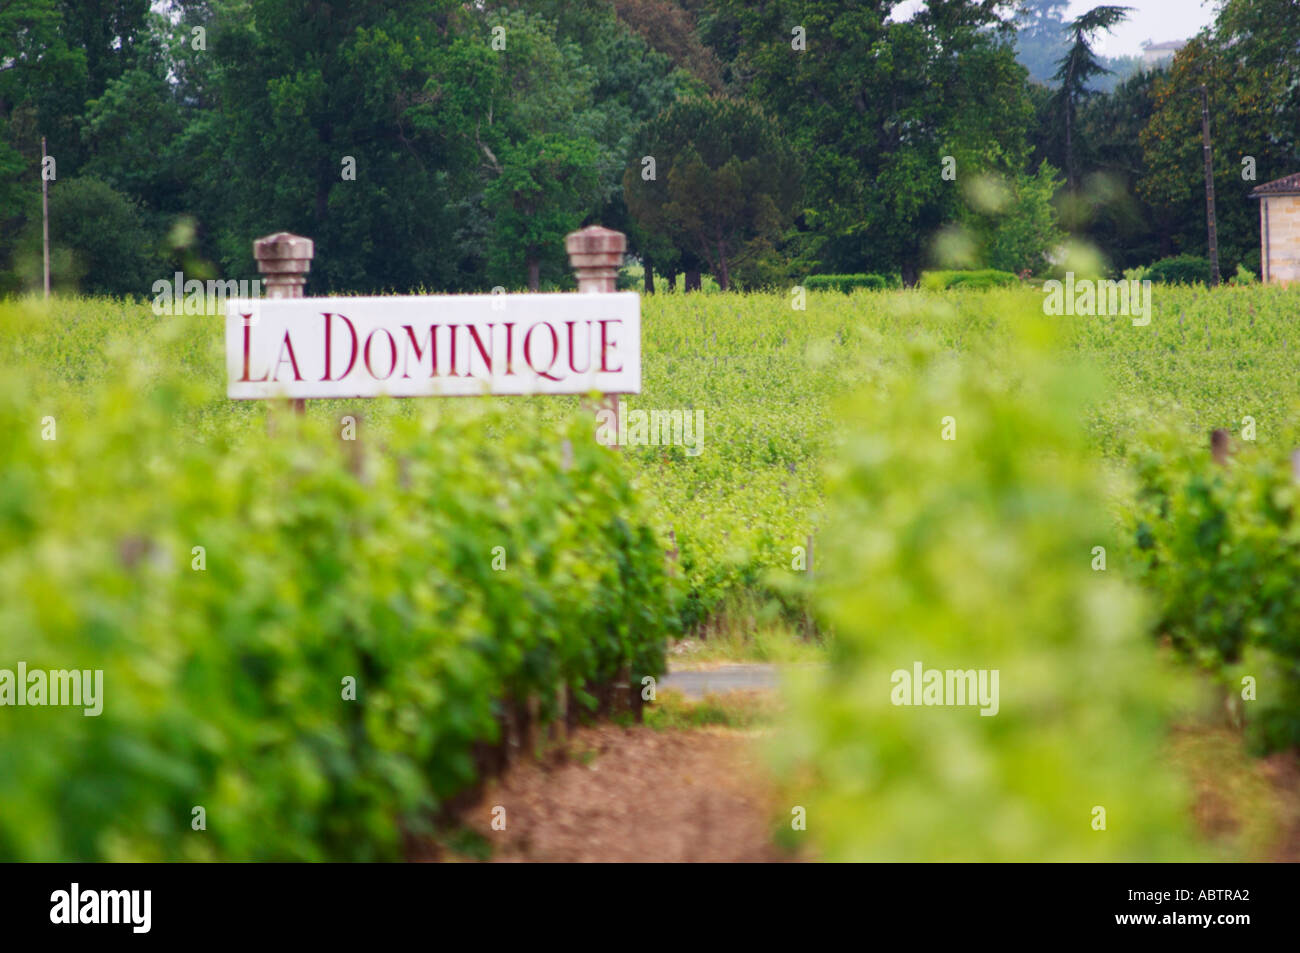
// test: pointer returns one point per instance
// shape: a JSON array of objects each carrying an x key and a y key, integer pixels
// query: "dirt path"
[
  {"x": 1249, "y": 805},
  {"x": 634, "y": 794},
  {"x": 696, "y": 683},
  {"x": 637, "y": 794}
]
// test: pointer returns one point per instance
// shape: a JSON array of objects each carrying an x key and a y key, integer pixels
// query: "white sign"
[{"x": 435, "y": 345}]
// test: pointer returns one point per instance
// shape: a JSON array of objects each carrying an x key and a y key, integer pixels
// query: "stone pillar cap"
[
  {"x": 595, "y": 254},
  {"x": 595, "y": 240},
  {"x": 285, "y": 260},
  {"x": 284, "y": 246}
]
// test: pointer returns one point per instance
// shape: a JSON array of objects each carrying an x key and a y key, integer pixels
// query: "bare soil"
[
  {"x": 688, "y": 793},
  {"x": 619, "y": 794},
  {"x": 1248, "y": 805}
]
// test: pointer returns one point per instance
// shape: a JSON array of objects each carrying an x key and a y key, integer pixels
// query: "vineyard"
[{"x": 236, "y": 569}]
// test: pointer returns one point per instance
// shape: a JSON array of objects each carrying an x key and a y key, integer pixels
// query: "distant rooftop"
[
  {"x": 1172, "y": 46},
  {"x": 1287, "y": 185}
]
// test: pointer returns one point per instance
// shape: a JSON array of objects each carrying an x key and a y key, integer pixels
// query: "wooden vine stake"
[
  {"x": 807, "y": 614},
  {"x": 1220, "y": 446}
]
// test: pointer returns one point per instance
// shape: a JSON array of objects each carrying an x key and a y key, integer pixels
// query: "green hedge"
[
  {"x": 845, "y": 283},
  {"x": 985, "y": 278},
  {"x": 1180, "y": 270},
  {"x": 324, "y": 559},
  {"x": 1220, "y": 548}
]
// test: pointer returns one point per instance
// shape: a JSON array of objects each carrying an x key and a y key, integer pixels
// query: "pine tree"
[{"x": 1078, "y": 66}]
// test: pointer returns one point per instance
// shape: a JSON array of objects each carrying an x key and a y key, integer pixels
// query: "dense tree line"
[{"x": 450, "y": 146}]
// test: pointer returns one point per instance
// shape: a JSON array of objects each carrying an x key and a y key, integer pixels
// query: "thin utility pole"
[
  {"x": 1209, "y": 186},
  {"x": 45, "y": 217}
]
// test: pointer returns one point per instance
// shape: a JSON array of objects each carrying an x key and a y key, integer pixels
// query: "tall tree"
[
  {"x": 1079, "y": 65},
  {"x": 575, "y": 84},
  {"x": 724, "y": 179},
  {"x": 874, "y": 102},
  {"x": 547, "y": 186},
  {"x": 353, "y": 124},
  {"x": 131, "y": 129},
  {"x": 671, "y": 29},
  {"x": 1040, "y": 36},
  {"x": 1120, "y": 222},
  {"x": 105, "y": 33},
  {"x": 42, "y": 86},
  {"x": 1247, "y": 60}
]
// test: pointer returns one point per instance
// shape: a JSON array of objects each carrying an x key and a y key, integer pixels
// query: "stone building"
[
  {"x": 1153, "y": 54},
  {"x": 1279, "y": 229}
]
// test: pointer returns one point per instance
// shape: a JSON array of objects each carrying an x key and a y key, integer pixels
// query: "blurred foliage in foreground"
[
  {"x": 977, "y": 553},
  {"x": 1220, "y": 548},
  {"x": 323, "y": 559}
]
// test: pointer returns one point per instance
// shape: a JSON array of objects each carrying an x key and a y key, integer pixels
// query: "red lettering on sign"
[
  {"x": 287, "y": 345},
  {"x": 419, "y": 354},
  {"x": 555, "y": 351},
  {"x": 352, "y": 361},
  {"x": 483, "y": 351},
  {"x": 392, "y": 346},
  {"x": 606, "y": 344},
  {"x": 510, "y": 349},
  {"x": 452, "y": 329},
  {"x": 248, "y": 332},
  {"x": 573, "y": 350}
]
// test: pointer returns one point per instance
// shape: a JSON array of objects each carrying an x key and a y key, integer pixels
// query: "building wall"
[
  {"x": 1282, "y": 242},
  {"x": 1156, "y": 57}
]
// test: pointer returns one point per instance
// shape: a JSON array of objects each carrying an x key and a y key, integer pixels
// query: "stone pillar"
[
  {"x": 284, "y": 260},
  {"x": 595, "y": 255}
]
